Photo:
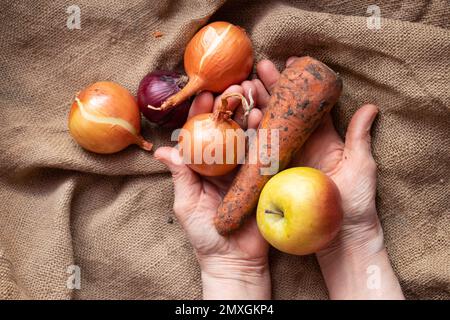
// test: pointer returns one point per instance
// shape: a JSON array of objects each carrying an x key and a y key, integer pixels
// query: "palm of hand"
[
  {"x": 205, "y": 195},
  {"x": 353, "y": 171},
  {"x": 350, "y": 165},
  {"x": 197, "y": 198}
]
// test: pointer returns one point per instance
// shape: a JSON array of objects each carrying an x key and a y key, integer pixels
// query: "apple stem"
[{"x": 274, "y": 212}]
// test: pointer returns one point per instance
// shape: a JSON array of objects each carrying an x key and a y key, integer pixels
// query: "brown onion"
[
  {"x": 218, "y": 55},
  {"x": 105, "y": 118},
  {"x": 199, "y": 133}
]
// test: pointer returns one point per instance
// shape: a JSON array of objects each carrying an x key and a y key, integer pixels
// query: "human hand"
[
  {"x": 351, "y": 166},
  {"x": 236, "y": 266}
]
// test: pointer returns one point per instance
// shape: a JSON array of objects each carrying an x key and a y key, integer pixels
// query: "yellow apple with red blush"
[{"x": 299, "y": 211}]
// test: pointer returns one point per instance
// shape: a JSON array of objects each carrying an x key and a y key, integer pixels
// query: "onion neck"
[
  {"x": 182, "y": 81},
  {"x": 194, "y": 85},
  {"x": 223, "y": 114},
  {"x": 144, "y": 144}
]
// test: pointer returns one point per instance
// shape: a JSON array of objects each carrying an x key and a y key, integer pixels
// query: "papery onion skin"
[
  {"x": 154, "y": 89},
  {"x": 199, "y": 139},
  {"x": 218, "y": 55},
  {"x": 104, "y": 118},
  {"x": 200, "y": 133}
]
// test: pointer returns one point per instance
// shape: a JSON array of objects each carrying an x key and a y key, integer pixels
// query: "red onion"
[{"x": 154, "y": 89}]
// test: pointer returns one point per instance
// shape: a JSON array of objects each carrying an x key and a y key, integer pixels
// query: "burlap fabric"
[{"x": 62, "y": 206}]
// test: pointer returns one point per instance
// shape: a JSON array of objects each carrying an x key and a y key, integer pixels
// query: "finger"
[
  {"x": 248, "y": 88},
  {"x": 290, "y": 60},
  {"x": 183, "y": 177},
  {"x": 358, "y": 133},
  {"x": 203, "y": 103},
  {"x": 232, "y": 102},
  {"x": 254, "y": 118},
  {"x": 261, "y": 94},
  {"x": 268, "y": 74}
]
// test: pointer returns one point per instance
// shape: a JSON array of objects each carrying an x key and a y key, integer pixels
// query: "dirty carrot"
[{"x": 305, "y": 92}]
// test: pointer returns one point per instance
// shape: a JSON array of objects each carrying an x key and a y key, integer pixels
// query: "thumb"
[
  {"x": 358, "y": 139},
  {"x": 183, "y": 177}
]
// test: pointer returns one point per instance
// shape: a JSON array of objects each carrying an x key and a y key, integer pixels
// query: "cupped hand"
[
  {"x": 359, "y": 246},
  {"x": 197, "y": 199}
]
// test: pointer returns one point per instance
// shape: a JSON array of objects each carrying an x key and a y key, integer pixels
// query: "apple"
[{"x": 299, "y": 211}]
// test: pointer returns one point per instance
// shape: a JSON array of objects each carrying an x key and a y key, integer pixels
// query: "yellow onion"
[
  {"x": 200, "y": 133},
  {"x": 219, "y": 55},
  {"x": 105, "y": 118}
]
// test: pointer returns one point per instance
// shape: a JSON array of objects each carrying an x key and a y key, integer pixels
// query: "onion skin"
[
  {"x": 154, "y": 89},
  {"x": 104, "y": 118},
  {"x": 208, "y": 126},
  {"x": 218, "y": 55},
  {"x": 203, "y": 129}
]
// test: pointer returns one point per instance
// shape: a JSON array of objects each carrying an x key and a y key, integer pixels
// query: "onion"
[
  {"x": 154, "y": 89},
  {"x": 105, "y": 118},
  {"x": 198, "y": 140},
  {"x": 218, "y": 55}
]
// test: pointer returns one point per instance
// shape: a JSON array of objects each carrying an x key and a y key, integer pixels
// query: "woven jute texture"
[{"x": 61, "y": 206}]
